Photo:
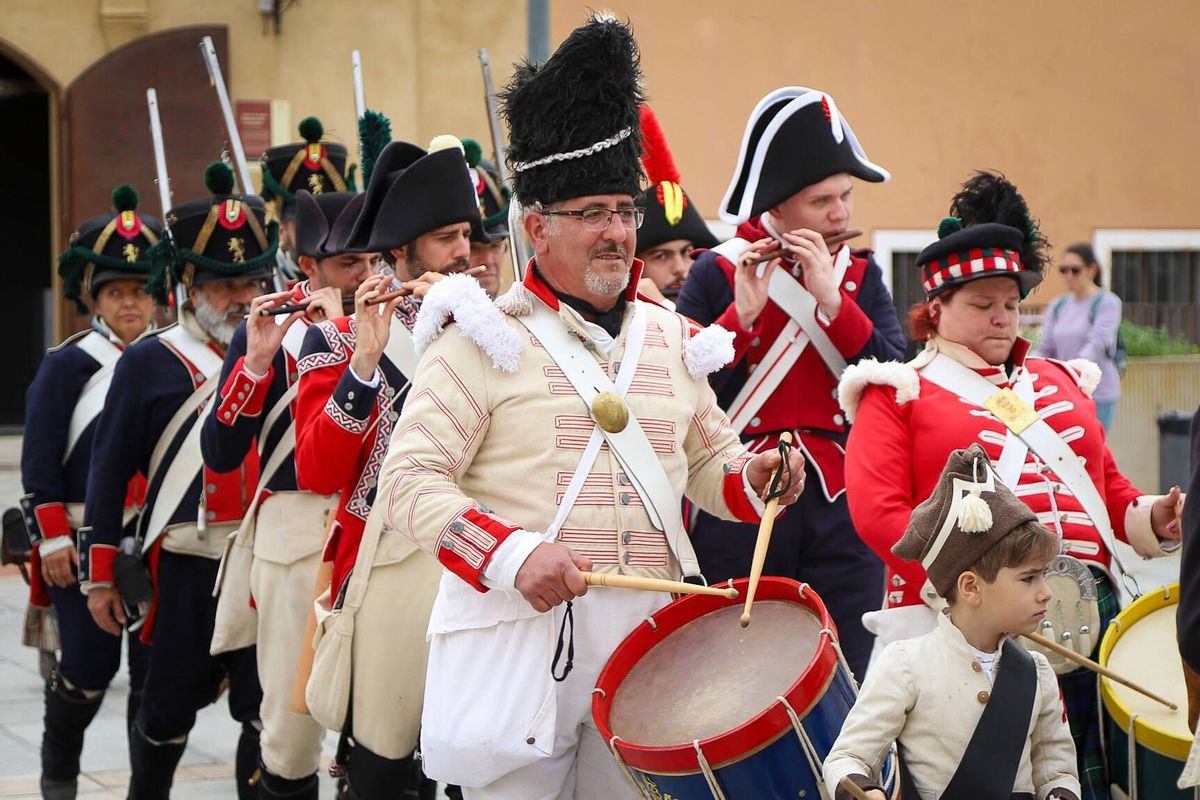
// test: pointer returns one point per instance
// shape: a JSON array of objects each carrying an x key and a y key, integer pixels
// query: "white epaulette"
[
  {"x": 1086, "y": 373},
  {"x": 707, "y": 350},
  {"x": 477, "y": 318},
  {"x": 870, "y": 372}
]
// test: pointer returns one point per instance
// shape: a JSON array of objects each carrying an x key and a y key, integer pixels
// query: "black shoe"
[
  {"x": 273, "y": 787},
  {"x": 153, "y": 767},
  {"x": 58, "y": 789}
]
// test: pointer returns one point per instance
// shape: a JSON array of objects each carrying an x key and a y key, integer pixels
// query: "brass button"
[
  {"x": 982, "y": 697},
  {"x": 975, "y": 666}
]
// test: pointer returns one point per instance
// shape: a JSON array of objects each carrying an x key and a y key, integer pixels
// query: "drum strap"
[{"x": 989, "y": 766}]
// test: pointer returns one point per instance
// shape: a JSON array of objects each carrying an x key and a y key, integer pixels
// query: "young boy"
[{"x": 976, "y": 716}]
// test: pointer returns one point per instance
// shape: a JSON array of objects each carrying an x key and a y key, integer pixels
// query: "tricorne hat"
[
  {"x": 222, "y": 237},
  {"x": 969, "y": 511},
  {"x": 313, "y": 165},
  {"x": 795, "y": 137},
  {"x": 573, "y": 121},
  {"x": 109, "y": 247},
  {"x": 412, "y": 192},
  {"x": 324, "y": 222},
  {"x": 670, "y": 214}
]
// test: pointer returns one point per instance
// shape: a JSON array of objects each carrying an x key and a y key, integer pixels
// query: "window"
[
  {"x": 896, "y": 253},
  {"x": 1157, "y": 276}
]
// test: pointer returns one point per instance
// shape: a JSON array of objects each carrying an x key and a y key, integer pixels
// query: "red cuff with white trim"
[
  {"x": 100, "y": 563},
  {"x": 52, "y": 520},
  {"x": 243, "y": 394},
  {"x": 734, "y": 491},
  {"x": 468, "y": 541}
]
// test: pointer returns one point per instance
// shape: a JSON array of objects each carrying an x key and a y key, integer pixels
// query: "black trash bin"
[{"x": 1173, "y": 445}]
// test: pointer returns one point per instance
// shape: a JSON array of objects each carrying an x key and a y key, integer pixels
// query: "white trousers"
[
  {"x": 291, "y": 742},
  {"x": 580, "y": 766}
]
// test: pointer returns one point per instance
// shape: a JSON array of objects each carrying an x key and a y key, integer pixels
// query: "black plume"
[{"x": 990, "y": 197}]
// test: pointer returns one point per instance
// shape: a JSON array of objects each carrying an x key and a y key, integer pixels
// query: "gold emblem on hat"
[
  {"x": 610, "y": 412},
  {"x": 130, "y": 252},
  {"x": 238, "y": 248},
  {"x": 1015, "y": 413},
  {"x": 315, "y": 185}
]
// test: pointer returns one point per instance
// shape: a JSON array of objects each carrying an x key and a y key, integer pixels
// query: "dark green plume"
[
  {"x": 374, "y": 134},
  {"x": 124, "y": 198},
  {"x": 311, "y": 130},
  {"x": 218, "y": 177}
]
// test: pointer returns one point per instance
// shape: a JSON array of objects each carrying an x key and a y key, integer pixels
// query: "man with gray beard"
[{"x": 219, "y": 251}]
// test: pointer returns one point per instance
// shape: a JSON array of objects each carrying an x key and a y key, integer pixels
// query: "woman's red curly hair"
[{"x": 922, "y": 320}]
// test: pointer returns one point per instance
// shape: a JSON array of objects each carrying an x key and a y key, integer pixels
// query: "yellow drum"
[{"x": 1146, "y": 743}]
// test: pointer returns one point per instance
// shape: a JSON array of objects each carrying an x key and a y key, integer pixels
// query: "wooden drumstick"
[
  {"x": 616, "y": 581},
  {"x": 1067, "y": 652},
  {"x": 853, "y": 789},
  {"x": 765, "y": 526}
]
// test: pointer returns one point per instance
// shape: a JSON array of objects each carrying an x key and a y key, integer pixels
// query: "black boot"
[
  {"x": 68, "y": 713},
  {"x": 245, "y": 764},
  {"x": 273, "y": 787},
  {"x": 373, "y": 777},
  {"x": 153, "y": 767}
]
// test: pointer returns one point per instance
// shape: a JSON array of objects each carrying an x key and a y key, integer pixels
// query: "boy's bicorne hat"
[
  {"x": 795, "y": 137},
  {"x": 969, "y": 511}
]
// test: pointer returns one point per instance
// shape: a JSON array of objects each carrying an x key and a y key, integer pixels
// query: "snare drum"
[
  {"x": 1146, "y": 743},
  {"x": 695, "y": 706}
]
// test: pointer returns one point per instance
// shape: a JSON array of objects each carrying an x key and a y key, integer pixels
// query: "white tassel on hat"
[{"x": 974, "y": 515}]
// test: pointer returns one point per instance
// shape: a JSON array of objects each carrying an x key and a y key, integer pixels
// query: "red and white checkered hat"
[{"x": 961, "y": 254}]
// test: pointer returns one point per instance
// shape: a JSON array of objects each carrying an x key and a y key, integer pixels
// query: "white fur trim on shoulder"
[
  {"x": 707, "y": 350},
  {"x": 516, "y": 302},
  {"x": 1087, "y": 374},
  {"x": 867, "y": 372},
  {"x": 477, "y": 318}
]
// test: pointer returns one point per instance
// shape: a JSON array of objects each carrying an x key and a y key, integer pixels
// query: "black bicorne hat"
[
  {"x": 573, "y": 121},
  {"x": 413, "y": 192},
  {"x": 222, "y": 237},
  {"x": 313, "y": 165},
  {"x": 324, "y": 222},
  {"x": 109, "y": 247},
  {"x": 794, "y": 138}
]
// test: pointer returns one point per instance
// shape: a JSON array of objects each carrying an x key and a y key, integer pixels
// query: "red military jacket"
[
  {"x": 905, "y": 428},
  {"x": 343, "y": 427}
]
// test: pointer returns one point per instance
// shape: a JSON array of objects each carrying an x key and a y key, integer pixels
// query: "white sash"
[
  {"x": 1039, "y": 437},
  {"x": 91, "y": 398},
  {"x": 630, "y": 446},
  {"x": 800, "y": 330},
  {"x": 399, "y": 349},
  {"x": 181, "y": 471}
]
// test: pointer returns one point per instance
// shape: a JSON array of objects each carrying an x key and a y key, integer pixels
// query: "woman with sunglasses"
[
  {"x": 976, "y": 381},
  {"x": 1083, "y": 323}
]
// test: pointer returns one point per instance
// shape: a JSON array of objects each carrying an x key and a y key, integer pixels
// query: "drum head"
[{"x": 712, "y": 675}]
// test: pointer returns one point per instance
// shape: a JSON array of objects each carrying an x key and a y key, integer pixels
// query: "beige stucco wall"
[
  {"x": 420, "y": 57},
  {"x": 1090, "y": 106}
]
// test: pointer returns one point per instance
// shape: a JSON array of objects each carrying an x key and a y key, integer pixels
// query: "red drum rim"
[{"x": 746, "y": 739}]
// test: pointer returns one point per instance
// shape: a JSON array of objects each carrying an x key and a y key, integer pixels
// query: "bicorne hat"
[
  {"x": 324, "y": 222},
  {"x": 795, "y": 137}
]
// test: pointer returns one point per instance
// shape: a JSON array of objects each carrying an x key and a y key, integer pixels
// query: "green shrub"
[{"x": 1142, "y": 340}]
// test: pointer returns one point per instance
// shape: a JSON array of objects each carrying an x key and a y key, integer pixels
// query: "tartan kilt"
[
  {"x": 1081, "y": 697},
  {"x": 41, "y": 629}
]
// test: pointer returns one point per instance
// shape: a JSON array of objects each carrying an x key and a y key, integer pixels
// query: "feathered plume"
[
  {"x": 990, "y": 197},
  {"x": 374, "y": 134},
  {"x": 656, "y": 153}
]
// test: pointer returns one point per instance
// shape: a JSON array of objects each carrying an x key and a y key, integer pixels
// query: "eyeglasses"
[
  {"x": 598, "y": 219},
  {"x": 1072, "y": 270}
]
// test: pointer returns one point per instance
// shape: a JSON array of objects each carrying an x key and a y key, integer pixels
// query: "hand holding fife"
[
  {"x": 263, "y": 335},
  {"x": 551, "y": 575},
  {"x": 760, "y": 469},
  {"x": 324, "y": 304},
  {"x": 750, "y": 282},
  {"x": 104, "y": 602},
  {"x": 373, "y": 323},
  {"x": 814, "y": 257}
]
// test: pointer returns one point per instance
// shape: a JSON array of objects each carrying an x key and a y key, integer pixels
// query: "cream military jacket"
[
  {"x": 492, "y": 432},
  {"x": 928, "y": 694}
]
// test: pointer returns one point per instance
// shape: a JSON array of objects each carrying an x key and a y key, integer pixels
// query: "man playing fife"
[
  {"x": 974, "y": 713},
  {"x": 497, "y": 465},
  {"x": 287, "y": 532}
]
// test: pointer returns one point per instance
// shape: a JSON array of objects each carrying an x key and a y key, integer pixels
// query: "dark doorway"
[{"x": 25, "y": 229}]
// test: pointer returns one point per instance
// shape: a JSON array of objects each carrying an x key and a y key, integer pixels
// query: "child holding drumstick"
[{"x": 975, "y": 715}]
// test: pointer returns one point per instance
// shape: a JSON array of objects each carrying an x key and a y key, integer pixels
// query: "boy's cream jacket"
[{"x": 928, "y": 694}]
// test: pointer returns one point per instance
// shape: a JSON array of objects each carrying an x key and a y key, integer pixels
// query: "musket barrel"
[
  {"x": 209, "y": 51},
  {"x": 360, "y": 102}
]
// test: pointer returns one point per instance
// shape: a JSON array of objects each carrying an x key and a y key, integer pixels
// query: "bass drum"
[{"x": 695, "y": 706}]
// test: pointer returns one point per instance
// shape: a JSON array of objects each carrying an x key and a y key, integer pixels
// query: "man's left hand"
[
  {"x": 1164, "y": 514},
  {"x": 760, "y": 469},
  {"x": 819, "y": 278}
]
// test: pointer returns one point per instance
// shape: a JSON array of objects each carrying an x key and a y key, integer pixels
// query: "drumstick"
[
  {"x": 617, "y": 581},
  {"x": 1067, "y": 652},
  {"x": 764, "y": 535},
  {"x": 852, "y": 788}
]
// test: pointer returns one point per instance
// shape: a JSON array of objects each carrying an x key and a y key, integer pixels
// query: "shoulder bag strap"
[{"x": 91, "y": 397}]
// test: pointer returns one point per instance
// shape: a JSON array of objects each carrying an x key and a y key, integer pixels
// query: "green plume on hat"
[{"x": 374, "y": 134}]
